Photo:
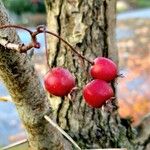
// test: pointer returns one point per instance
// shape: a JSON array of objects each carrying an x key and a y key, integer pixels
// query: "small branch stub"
[
  {"x": 8, "y": 45},
  {"x": 5, "y": 99}
]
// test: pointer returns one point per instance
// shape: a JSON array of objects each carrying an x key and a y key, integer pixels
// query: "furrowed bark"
[
  {"x": 89, "y": 25},
  {"x": 24, "y": 86}
]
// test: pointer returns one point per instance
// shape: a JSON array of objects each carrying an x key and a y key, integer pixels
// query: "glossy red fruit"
[
  {"x": 97, "y": 92},
  {"x": 104, "y": 69},
  {"x": 59, "y": 81}
]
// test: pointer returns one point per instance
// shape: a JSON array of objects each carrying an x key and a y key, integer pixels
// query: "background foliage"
[{"x": 21, "y": 6}]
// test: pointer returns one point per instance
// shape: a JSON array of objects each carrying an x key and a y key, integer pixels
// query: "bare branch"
[
  {"x": 14, "y": 145},
  {"x": 5, "y": 99},
  {"x": 8, "y": 45},
  {"x": 62, "y": 131}
]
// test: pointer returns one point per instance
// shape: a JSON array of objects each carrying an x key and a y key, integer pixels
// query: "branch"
[
  {"x": 5, "y": 99},
  {"x": 15, "y": 145},
  {"x": 62, "y": 131},
  {"x": 35, "y": 44},
  {"x": 18, "y": 47},
  {"x": 8, "y": 45}
]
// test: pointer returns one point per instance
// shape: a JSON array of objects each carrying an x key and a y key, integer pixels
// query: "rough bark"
[
  {"x": 20, "y": 78},
  {"x": 89, "y": 25}
]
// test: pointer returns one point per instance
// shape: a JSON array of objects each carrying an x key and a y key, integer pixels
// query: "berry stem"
[
  {"x": 42, "y": 29},
  {"x": 46, "y": 50},
  {"x": 73, "y": 49},
  {"x": 16, "y": 26},
  {"x": 24, "y": 48}
]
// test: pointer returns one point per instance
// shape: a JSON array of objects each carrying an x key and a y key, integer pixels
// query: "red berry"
[
  {"x": 97, "y": 92},
  {"x": 59, "y": 81},
  {"x": 104, "y": 69}
]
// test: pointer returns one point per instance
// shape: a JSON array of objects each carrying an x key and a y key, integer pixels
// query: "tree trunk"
[
  {"x": 19, "y": 76},
  {"x": 89, "y": 25}
]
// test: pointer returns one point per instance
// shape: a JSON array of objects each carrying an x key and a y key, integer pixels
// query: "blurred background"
[{"x": 132, "y": 35}]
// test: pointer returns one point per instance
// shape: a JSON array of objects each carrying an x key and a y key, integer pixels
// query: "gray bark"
[
  {"x": 20, "y": 78},
  {"x": 89, "y": 25}
]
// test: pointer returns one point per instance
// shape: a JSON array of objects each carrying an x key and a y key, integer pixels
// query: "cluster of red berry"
[{"x": 59, "y": 82}]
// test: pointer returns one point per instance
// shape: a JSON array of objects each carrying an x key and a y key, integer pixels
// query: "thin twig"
[
  {"x": 72, "y": 48},
  {"x": 17, "y": 27},
  {"x": 62, "y": 131},
  {"x": 14, "y": 145},
  {"x": 40, "y": 29},
  {"x": 5, "y": 99},
  {"x": 46, "y": 50},
  {"x": 18, "y": 47},
  {"x": 35, "y": 44},
  {"x": 23, "y": 48},
  {"x": 8, "y": 45}
]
